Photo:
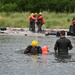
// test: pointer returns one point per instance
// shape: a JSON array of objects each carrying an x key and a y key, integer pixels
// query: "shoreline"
[{"x": 26, "y": 32}]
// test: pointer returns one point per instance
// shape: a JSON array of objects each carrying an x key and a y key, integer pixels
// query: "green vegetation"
[
  {"x": 37, "y": 5},
  {"x": 15, "y": 12},
  {"x": 52, "y": 20}
]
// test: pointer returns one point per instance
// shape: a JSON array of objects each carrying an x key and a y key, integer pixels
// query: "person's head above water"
[
  {"x": 62, "y": 33},
  {"x": 34, "y": 43}
]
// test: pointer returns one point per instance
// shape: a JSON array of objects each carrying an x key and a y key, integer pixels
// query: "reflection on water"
[
  {"x": 14, "y": 62},
  {"x": 63, "y": 58},
  {"x": 35, "y": 66}
]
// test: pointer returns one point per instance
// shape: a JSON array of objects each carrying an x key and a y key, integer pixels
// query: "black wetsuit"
[
  {"x": 73, "y": 29},
  {"x": 39, "y": 23},
  {"x": 32, "y": 24},
  {"x": 63, "y": 45},
  {"x": 33, "y": 50},
  {"x": 73, "y": 26}
]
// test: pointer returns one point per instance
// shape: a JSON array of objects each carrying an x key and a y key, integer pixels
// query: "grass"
[{"x": 52, "y": 19}]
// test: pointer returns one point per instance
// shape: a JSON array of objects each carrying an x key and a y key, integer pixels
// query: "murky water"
[{"x": 14, "y": 62}]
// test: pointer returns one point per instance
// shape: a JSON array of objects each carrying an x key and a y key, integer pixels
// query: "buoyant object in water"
[{"x": 44, "y": 49}]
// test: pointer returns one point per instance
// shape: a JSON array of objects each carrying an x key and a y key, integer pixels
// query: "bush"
[{"x": 9, "y": 7}]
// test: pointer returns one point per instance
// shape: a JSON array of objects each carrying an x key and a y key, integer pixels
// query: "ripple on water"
[{"x": 14, "y": 62}]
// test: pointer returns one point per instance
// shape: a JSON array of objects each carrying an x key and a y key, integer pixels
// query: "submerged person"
[
  {"x": 62, "y": 45},
  {"x": 33, "y": 49}
]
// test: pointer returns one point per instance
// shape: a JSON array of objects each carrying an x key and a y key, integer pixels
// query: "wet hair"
[{"x": 62, "y": 32}]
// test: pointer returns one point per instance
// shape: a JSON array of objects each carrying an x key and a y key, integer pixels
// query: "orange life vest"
[{"x": 44, "y": 49}]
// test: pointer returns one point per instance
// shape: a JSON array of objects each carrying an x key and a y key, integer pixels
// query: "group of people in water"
[
  {"x": 61, "y": 47},
  {"x": 37, "y": 19}
]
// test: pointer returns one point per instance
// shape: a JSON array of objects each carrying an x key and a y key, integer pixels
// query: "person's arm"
[
  {"x": 40, "y": 17},
  {"x": 27, "y": 50},
  {"x": 34, "y": 18},
  {"x": 70, "y": 45},
  {"x": 56, "y": 47},
  {"x": 39, "y": 49}
]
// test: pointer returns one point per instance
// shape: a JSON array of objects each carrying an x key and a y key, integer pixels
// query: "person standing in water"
[{"x": 62, "y": 45}]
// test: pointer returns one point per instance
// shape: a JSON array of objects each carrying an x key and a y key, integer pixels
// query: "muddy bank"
[{"x": 26, "y": 32}]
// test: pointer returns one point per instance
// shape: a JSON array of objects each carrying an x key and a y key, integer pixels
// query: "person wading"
[{"x": 62, "y": 45}]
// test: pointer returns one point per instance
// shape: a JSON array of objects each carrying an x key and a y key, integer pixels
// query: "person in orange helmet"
[{"x": 32, "y": 19}]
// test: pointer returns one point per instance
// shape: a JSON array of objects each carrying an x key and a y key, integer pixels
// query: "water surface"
[{"x": 14, "y": 62}]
